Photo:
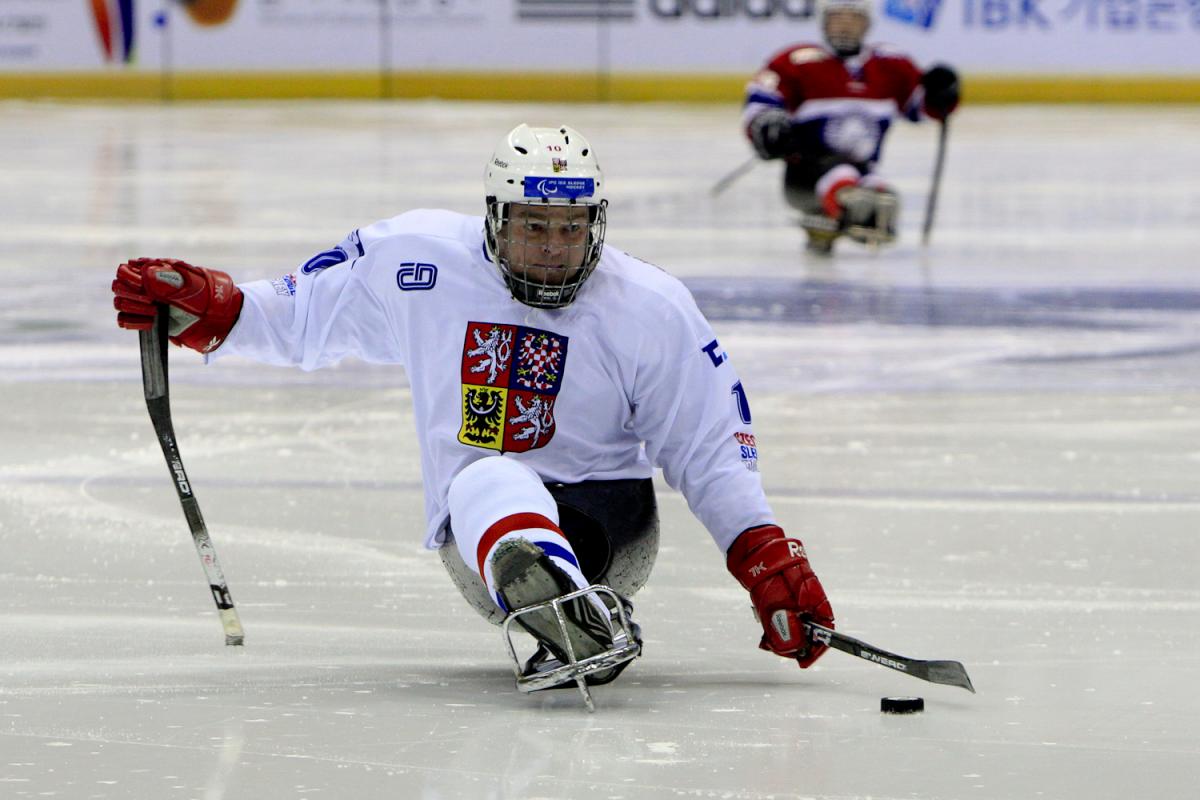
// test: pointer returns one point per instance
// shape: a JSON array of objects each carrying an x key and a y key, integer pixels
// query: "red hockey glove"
[
  {"x": 203, "y": 303},
  {"x": 784, "y": 590}
]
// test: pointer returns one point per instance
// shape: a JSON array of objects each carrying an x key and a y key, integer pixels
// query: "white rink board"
[{"x": 1000, "y": 37}]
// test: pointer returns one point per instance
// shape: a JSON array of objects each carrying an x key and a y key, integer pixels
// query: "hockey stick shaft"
[
  {"x": 931, "y": 202},
  {"x": 736, "y": 173},
  {"x": 948, "y": 673},
  {"x": 153, "y": 344}
]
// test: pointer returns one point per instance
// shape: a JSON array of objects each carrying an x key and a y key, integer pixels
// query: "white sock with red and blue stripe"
[{"x": 537, "y": 529}]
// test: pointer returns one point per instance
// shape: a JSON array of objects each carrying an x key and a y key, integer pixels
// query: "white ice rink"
[{"x": 991, "y": 449}]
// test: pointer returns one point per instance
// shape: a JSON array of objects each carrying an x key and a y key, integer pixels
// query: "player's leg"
[
  {"x": 505, "y": 523},
  {"x": 611, "y": 527},
  {"x": 887, "y": 206},
  {"x": 495, "y": 500},
  {"x": 864, "y": 206},
  {"x": 800, "y": 190}
]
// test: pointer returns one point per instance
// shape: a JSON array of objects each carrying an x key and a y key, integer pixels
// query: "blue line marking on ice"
[{"x": 833, "y": 303}]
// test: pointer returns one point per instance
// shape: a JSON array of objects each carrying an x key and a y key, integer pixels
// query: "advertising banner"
[
  {"x": 342, "y": 35},
  {"x": 61, "y": 34},
  {"x": 994, "y": 37},
  {"x": 680, "y": 37},
  {"x": 101, "y": 36}
]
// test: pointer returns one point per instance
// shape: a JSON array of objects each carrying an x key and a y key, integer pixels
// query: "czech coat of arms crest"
[{"x": 511, "y": 375}]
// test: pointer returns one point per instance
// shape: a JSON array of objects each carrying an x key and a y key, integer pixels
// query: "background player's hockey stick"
[
  {"x": 158, "y": 401},
  {"x": 949, "y": 673},
  {"x": 738, "y": 172},
  {"x": 931, "y": 201}
]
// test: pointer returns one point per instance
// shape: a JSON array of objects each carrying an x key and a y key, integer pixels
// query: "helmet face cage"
[
  {"x": 843, "y": 43},
  {"x": 546, "y": 208},
  {"x": 545, "y": 250}
]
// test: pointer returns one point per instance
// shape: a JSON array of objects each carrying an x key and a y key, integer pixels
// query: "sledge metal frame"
[
  {"x": 873, "y": 236},
  {"x": 575, "y": 669}
]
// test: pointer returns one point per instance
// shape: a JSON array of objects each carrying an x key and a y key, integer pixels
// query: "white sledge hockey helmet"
[
  {"x": 841, "y": 45},
  {"x": 543, "y": 168}
]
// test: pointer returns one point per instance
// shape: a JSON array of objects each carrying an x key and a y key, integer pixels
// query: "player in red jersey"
[{"x": 825, "y": 110}]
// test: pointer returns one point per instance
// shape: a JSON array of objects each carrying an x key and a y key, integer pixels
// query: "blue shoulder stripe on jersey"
[
  {"x": 764, "y": 99},
  {"x": 324, "y": 260}
]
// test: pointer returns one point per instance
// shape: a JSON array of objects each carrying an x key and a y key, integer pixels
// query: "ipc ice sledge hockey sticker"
[
  {"x": 572, "y": 188},
  {"x": 510, "y": 380}
]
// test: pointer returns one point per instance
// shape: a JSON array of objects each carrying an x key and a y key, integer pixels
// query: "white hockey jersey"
[{"x": 573, "y": 392}]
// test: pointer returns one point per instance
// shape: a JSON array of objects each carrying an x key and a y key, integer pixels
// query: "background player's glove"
[
  {"x": 784, "y": 590},
  {"x": 203, "y": 303},
  {"x": 941, "y": 91},
  {"x": 772, "y": 134}
]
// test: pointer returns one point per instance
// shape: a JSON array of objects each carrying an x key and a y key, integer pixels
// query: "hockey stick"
[
  {"x": 931, "y": 202},
  {"x": 738, "y": 172},
  {"x": 949, "y": 673},
  {"x": 158, "y": 401}
]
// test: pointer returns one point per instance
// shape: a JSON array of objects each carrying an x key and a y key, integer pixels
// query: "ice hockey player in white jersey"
[
  {"x": 550, "y": 374},
  {"x": 826, "y": 108}
]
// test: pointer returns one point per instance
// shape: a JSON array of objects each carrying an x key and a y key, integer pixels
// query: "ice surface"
[{"x": 990, "y": 449}]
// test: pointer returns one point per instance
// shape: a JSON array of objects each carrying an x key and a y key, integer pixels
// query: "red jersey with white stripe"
[{"x": 843, "y": 106}]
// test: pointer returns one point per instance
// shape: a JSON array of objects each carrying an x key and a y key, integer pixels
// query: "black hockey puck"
[{"x": 902, "y": 705}]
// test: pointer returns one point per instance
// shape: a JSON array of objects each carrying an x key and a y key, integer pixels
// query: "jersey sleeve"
[
  {"x": 905, "y": 82},
  {"x": 325, "y": 311},
  {"x": 773, "y": 86},
  {"x": 691, "y": 411}
]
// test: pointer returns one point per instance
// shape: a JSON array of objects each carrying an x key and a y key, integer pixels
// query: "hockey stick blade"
[
  {"x": 153, "y": 343},
  {"x": 947, "y": 673}
]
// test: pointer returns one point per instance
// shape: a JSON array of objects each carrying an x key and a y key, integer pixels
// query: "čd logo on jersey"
[{"x": 510, "y": 379}]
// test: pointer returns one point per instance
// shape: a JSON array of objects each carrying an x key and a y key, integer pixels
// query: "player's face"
[
  {"x": 845, "y": 26},
  {"x": 544, "y": 244}
]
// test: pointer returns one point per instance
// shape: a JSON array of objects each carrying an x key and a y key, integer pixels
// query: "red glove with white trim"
[
  {"x": 203, "y": 304},
  {"x": 784, "y": 590}
]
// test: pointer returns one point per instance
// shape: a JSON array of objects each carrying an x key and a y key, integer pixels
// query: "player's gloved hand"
[
  {"x": 941, "y": 91},
  {"x": 784, "y": 590},
  {"x": 203, "y": 304},
  {"x": 772, "y": 134}
]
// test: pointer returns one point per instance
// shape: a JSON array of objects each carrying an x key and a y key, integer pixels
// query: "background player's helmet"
[
  {"x": 540, "y": 168},
  {"x": 845, "y": 45}
]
